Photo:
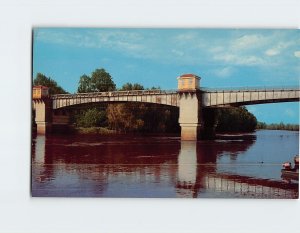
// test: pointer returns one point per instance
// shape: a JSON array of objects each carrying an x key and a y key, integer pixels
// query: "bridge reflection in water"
[
  {"x": 160, "y": 167},
  {"x": 195, "y": 174}
]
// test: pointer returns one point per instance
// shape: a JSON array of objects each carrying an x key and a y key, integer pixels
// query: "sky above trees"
[{"x": 156, "y": 57}]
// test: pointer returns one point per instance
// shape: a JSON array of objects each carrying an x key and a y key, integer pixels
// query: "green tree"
[
  {"x": 261, "y": 125},
  {"x": 102, "y": 81},
  {"x": 43, "y": 80},
  {"x": 99, "y": 81},
  {"x": 154, "y": 88},
  {"x": 280, "y": 126},
  {"x": 130, "y": 86},
  {"x": 142, "y": 118},
  {"x": 124, "y": 117},
  {"x": 235, "y": 120},
  {"x": 85, "y": 84},
  {"x": 91, "y": 118}
]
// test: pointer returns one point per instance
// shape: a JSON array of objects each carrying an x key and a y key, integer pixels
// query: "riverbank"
[
  {"x": 235, "y": 136},
  {"x": 92, "y": 130},
  {"x": 280, "y": 126}
]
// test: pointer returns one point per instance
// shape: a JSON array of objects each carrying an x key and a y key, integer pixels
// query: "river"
[{"x": 247, "y": 166}]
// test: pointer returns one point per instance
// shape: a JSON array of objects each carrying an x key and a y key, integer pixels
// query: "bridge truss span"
[
  {"x": 235, "y": 98},
  {"x": 142, "y": 96}
]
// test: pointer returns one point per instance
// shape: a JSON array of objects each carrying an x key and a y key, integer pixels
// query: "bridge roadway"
[
  {"x": 213, "y": 98},
  {"x": 195, "y": 124},
  {"x": 144, "y": 96}
]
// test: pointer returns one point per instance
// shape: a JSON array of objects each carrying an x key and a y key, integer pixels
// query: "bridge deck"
[
  {"x": 225, "y": 98},
  {"x": 210, "y": 97},
  {"x": 144, "y": 96}
]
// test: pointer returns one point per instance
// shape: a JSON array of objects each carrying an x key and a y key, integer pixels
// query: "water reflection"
[
  {"x": 187, "y": 169},
  {"x": 39, "y": 155},
  {"x": 197, "y": 161},
  {"x": 95, "y": 166},
  {"x": 45, "y": 166},
  {"x": 200, "y": 176}
]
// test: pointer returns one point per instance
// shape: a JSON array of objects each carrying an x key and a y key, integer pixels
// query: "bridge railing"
[
  {"x": 161, "y": 92},
  {"x": 114, "y": 93},
  {"x": 257, "y": 88}
]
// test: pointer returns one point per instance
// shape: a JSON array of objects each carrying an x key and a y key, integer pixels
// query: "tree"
[
  {"x": 124, "y": 117},
  {"x": 84, "y": 84},
  {"x": 280, "y": 126},
  {"x": 142, "y": 117},
  {"x": 235, "y": 120},
  {"x": 91, "y": 118},
  {"x": 54, "y": 88},
  {"x": 130, "y": 86},
  {"x": 102, "y": 81},
  {"x": 154, "y": 88},
  {"x": 99, "y": 81}
]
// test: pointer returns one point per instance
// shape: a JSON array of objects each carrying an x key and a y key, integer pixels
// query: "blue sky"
[{"x": 156, "y": 57}]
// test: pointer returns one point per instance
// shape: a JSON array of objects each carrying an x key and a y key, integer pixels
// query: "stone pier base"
[
  {"x": 190, "y": 132},
  {"x": 43, "y": 127}
]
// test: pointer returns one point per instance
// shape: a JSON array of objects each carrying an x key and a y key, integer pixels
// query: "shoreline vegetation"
[
  {"x": 92, "y": 130},
  {"x": 106, "y": 131},
  {"x": 280, "y": 126},
  {"x": 141, "y": 118}
]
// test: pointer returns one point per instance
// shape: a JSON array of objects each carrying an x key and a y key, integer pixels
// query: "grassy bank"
[{"x": 93, "y": 130}]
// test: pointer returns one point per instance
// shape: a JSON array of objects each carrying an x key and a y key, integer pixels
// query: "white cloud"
[
  {"x": 278, "y": 48},
  {"x": 117, "y": 40},
  {"x": 224, "y": 72},
  {"x": 249, "y": 41},
  {"x": 243, "y": 50},
  {"x": 184, "y": 47},
  {"x": 272, "y": 52},
  {"x": 239, "y": 59},
  {"x": 297, "y": 54}
]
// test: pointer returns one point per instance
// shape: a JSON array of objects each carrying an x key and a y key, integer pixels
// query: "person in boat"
[{"x": 288, "y": 166}]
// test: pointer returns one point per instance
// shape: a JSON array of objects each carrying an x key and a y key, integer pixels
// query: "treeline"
[
  {"x": 280, "y": 126},
  {"x": 54, "y": 88},
  {"x": 140, "y": 117},
  {"x": 130, "y": 117},
  {"x": 235, "y": 120}
]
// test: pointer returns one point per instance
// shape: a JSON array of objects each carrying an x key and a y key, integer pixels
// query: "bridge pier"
[
  {"x": 189, "y": 107},
  {"x": 190, "y": 115},
  {"x": 43, "y": 113}
]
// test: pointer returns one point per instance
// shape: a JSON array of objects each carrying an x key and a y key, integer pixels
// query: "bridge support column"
[
  {"x": 190, "y": 115},
  {"x": 43, "y": 116}
]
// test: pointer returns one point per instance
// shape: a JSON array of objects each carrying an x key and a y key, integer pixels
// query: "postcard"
[{"x": 161, "y": 112}]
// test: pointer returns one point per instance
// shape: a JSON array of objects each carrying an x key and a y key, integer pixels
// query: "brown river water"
[{"x": 247, "y": 166}]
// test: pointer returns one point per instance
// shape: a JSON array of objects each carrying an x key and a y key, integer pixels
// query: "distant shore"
[{"x": 105, "y": 131}]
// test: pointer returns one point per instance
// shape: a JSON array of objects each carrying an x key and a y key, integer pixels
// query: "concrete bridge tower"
[
  {"x": 189, "y": 106},
  {"x": 42, "y": 105}
]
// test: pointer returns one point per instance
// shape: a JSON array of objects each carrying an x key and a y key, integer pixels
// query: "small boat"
[{"x": 289, "y": 172}]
